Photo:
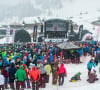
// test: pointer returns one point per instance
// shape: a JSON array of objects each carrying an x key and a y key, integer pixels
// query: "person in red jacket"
[
  {"x": 34, "y": 77},
  {"x": 26, "y": 53},
  {"x": 61, "y": 73},
  {"x": 61, "y": 55},
  {"x": 54, "y": 58},
  {"x": 48, "y": 50},
  {"x": 5, "y": 74},
  {"x": 27, "y": 79},
  {"x": 45, "y": 58}
]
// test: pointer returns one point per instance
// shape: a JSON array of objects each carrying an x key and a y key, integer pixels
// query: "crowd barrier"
[{"x": 74, "y": 61}]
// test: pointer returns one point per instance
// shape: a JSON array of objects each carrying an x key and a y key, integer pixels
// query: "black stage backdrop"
[{"x": 22, "y": 36}]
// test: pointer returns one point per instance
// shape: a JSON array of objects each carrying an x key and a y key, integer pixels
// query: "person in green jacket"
[
  {"x": 20, "y": 76},
  {"x": 3, "y": 53},
  {"x": 48, "y": 70},
  {"x": 11, "y": 55},
  {"x": 76, "y": 77},
  {"x": 34, "y": 57}
]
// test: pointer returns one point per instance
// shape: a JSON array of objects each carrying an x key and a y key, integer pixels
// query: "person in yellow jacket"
[
  {"x": 48, "y": 70},
  {"x": 8, "y": 58}
]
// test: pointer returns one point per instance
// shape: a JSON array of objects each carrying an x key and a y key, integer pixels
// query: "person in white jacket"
[{"x": 1, "y": 81}]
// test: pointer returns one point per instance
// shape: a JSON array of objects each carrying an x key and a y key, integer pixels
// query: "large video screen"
[{"x": 55, "y": 25}]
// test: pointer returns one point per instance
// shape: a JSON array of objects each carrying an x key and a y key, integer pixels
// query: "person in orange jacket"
[
  {"x": 27, "y": 79},
  {"x": 34, "y": 77}
]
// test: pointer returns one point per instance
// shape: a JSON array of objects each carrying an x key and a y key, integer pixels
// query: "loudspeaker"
[{"x": 81, "y": 28}]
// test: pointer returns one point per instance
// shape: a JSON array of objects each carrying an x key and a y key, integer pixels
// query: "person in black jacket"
[
  {"x": 35, "y": 61},
  {"x": 11, "y": 72}
]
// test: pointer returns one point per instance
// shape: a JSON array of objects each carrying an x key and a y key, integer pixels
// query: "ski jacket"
[
  {"x": 90, "y": 65},
  {"x": 12, "y": 70},
  {"x": 24, "y": 66},
  {"x": 54, "y": 58},
  {"x": 20, "y": 74},
  {"x": 2, "y": 80},
  {"x": 62, "y": 69},
  {"x": 4, "y": 73},
  {"x": 85, "y": 49},
  {"x": 41, "y": 69},
  {"x": 47, "y": 69},
  {"x": 34, "y": 74},
  {"x": 51, "y": 58}
]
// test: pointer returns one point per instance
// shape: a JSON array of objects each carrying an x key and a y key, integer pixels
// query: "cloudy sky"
[{"x": 25, "y": 8}]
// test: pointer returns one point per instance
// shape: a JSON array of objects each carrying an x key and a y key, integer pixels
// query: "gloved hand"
[{"x": 15, "y": 79}]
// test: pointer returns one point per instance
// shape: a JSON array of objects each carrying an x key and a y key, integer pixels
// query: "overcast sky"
[
  {"x": 9, "y": 7},
  {"x": 11, "y": 2},
  {"x": 49, "y": 2},
  {"x": 45, "y": 4}
]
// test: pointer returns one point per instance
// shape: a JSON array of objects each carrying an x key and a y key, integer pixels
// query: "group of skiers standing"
[{"x": 37, "y": 76}]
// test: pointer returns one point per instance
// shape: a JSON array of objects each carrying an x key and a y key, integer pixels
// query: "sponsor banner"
[
  {"x": 55, "y": 40},
  {"x": 13, "y": 36},
  {"x": 8, "y": 34}
]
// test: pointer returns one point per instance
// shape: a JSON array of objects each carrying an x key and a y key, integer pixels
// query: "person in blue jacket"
[
  {"x": 50, "y": 50},
  {"x": 90, "y": 65},
  {"x": 15, "y": 57},
  {"x": 51, "y": 58},
  {"x": 55, "y": 50},
  {"x": 85, "y": 49},
  {"x": 98, "y": 52},
  {"x": 42, "y": 57},
  {"x": 5, "y": 60}
]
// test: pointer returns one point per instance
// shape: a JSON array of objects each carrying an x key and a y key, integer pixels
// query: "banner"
[
  {"x": 13, "y": 36},
  {"x": 8, "y": 34}
]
